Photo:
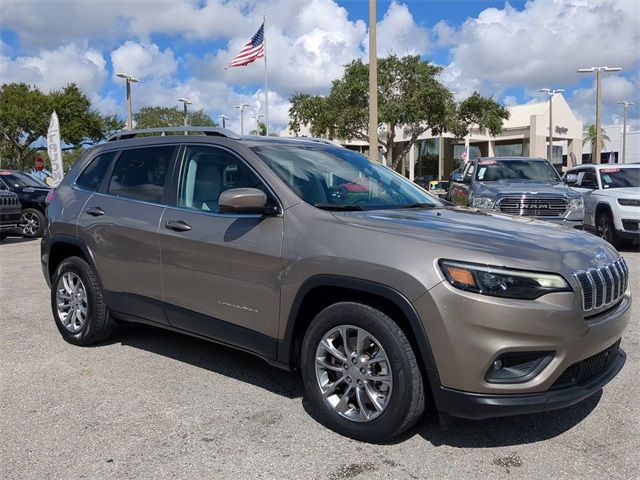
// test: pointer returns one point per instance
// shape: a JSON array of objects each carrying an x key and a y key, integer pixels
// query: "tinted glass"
[
  {"x": 21, "y": 179},
  {"x": 141, "y": 173},
  {"x": 493, "y": 170},
  {"x": 589, "y": 179},
  {"x": 93, "y": 174},
  {"x": 209, "y": 171},
  {"x": 615, "y": 177},
  {"x": 333, "y": 177}
]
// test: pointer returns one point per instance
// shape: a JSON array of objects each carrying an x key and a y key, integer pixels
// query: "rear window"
[
  {"x": 93, "y": 174},
  {"x": 141, "y": 173}
]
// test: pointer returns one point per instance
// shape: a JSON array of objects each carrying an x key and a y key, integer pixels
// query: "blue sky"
[{"x": 179, "y": 48}]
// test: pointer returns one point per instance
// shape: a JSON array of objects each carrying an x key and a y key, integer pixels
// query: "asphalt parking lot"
[{"x": 153, "y": 404}]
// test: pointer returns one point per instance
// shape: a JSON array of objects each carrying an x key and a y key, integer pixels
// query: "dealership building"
[{"x": 525, "y": 133}]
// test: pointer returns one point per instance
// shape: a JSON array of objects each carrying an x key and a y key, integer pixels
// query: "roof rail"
[{"x": 209, "y": 131}]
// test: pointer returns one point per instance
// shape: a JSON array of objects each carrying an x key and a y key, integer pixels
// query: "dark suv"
[
  {"x": 32, "y": 193},
  {"x": 10, "y": 212},
  {"x": 314, "y": 258}
]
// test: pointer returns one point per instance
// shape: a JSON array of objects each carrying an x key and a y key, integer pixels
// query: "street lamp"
[
  {"x": 598, "y": 71},
  {"x": 257, "y": 118},
  {"x": 241, "y": 108},
  {"x": 224, "y": 119},
  {"x": 129, "y": 80},
  {"x": 625, "y": 105},
  {"x": 185, "y": 102},
  {"x": 550, "y": 93}
]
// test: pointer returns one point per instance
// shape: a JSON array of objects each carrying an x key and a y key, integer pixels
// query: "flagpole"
[{"x": 266, "y": 84}]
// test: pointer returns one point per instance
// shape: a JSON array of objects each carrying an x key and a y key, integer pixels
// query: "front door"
[{"x": 221, "y": 271}]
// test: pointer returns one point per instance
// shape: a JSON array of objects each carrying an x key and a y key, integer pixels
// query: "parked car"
[
  {"x": 527, "y": 187},
  {"x": 32, "y": 193},
  {"x": 439, "y": 188},
  {"x": 384, "y": 306},
  {"x": 423, "y": 181},
  {"x": 10, "y": 212},
  {"x": 611, "y": 199}
]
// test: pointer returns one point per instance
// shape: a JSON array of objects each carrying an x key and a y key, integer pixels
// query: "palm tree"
[{"x": 589, "y": 136}]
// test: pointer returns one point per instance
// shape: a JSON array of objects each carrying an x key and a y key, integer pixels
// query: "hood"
[
  {"x": 629, "y": 192},
  {"x": 472, "y": 235},
  {"x": 510, "y": 187}
]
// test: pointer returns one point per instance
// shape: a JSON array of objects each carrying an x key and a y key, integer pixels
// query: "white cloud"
[
  {"x": 53, "y": 69},
  {"x": 143, "y": 60},
  {"x": 399, "y": 34}
]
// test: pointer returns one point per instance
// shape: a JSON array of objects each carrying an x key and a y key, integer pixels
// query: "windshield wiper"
[
  {"x": 415, "y": 205},
  {"x": 338, "y": 206}
]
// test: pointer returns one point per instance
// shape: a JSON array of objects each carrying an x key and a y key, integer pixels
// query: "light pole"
[
  {"x": 625, "y": 106},
  {"x": 550, "y": 93},
  {"x": 185, "y": 102},
  {"x": 257, "y": 118},
  {"x": 241, "y": 108},
  {"x": 224, "y": 119},
  {"x": 373, "y": 85},
  {"x": 129, "y": 80},
  {"x": 598, "y": 71}
]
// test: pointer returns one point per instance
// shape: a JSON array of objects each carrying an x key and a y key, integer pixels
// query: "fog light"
[{"x": 517, "y": 367}]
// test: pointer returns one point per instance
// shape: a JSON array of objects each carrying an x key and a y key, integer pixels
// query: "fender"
[
  {"x": 48, "y": 245},
  {"x": 365, "y": 286}
]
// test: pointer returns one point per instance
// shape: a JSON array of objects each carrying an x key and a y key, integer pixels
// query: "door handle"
[
  {"x": 178, "y": 226},
  {"x": 95, "y": 211}
]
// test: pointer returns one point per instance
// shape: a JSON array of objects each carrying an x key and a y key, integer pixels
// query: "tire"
[
  {"x": 97, "y": 325},
  {"x": 606, "y": 229},
  {"x": 402, "y": 399},
  {"x": 31, "y": 223}
]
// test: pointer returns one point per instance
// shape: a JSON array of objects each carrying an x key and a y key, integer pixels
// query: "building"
[
  {"x": 524, "y": 134},
  {"x": 613, "y": 147}
]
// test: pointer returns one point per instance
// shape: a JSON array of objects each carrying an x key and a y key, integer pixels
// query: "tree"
[
  {"x": 589, "y": 136},
  {"x": 157, "y": 117},
  {"x": 262, "y": 130},
  {"x": 24, "y": 119},
  {"x": 410, "y": 98}
]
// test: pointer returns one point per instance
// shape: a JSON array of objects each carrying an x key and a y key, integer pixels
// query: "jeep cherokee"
[{"x": 385, "y": 298}]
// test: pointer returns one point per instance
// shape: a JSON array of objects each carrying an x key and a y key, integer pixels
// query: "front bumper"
[{"x": 478, "y": 406}]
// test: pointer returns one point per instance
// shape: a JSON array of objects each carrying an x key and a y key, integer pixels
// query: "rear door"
[
  {"x": 221, "y": 271},
  {"x": 119, "y": 224}
]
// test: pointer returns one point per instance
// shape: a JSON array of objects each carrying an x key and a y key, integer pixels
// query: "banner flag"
[{"x": 54, "y": 149}]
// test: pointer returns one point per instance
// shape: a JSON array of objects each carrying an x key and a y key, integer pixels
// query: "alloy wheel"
[
  {"x": 604, "y": 230},
  {"x": 71, "y": 301},
  {"x": 29, "y": 224},
  {"x": 353, "y": 373}
]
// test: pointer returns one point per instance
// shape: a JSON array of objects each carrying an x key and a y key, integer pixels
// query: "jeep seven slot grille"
[
  {"x": 533, "y": 206},
  {"x": 603, "y": 286},
  {"x": 9, "y": 201}
]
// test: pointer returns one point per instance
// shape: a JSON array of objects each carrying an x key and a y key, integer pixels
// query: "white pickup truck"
[{"x": 611, "y": 199}]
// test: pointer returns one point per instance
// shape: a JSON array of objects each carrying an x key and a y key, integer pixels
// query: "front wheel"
[
  {"x": 31, "y": 223},
  {"x": 606, "y": 229},
  {"x": 361, "y": 374}
]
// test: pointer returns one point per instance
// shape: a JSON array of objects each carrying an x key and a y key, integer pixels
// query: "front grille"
[
  {"x": 9, "y": 201},
  {"x": 587, "y": 369},
  {"x": 603, "y": 286},
  {"x": 533, "y": 206}
]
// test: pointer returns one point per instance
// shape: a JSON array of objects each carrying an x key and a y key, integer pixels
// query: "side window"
[
  {"x": 93, "y": 173},
  {"x": 589, "y": 179},
  {"x": 468, "y": 174},
  {"x": 209, "y": 171}
]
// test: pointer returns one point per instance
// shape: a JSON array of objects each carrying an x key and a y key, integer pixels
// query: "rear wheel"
[
  {"x": 78, "y": 306},
  {"x": 606, "y": 229},
  {"x": 31, "y": 223},
  {"x": 361, "y": 374}
]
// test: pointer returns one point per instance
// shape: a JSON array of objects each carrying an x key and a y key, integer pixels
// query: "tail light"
[{"x": 50, "y": 196}]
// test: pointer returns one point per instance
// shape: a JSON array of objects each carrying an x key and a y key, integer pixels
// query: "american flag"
[{"x": 251, "y": 51}]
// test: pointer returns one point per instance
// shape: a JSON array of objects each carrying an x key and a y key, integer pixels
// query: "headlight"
[
  {"x": 629, "y": 202},
  {"x": 483, "y": 202},
  {"x": 500, "y": 282},
  {"x": 576, "y": 204}
]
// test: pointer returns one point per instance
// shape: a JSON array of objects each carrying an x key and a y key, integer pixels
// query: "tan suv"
[{"x": 313, "y": 258}]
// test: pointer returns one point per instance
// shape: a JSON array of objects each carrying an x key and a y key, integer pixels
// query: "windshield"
[
  {"x": 21, "y": 179},
  {"x": 337, "y": 178},
  {"x": 493, "y": 170},
  {"x": 620, "y": 177}
]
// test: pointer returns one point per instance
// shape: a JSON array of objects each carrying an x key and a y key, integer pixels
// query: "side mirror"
[
  {"x": 457, "y": 177},
  {"x": 571, "y": 179},
  {"x": 243, "y": 200}
]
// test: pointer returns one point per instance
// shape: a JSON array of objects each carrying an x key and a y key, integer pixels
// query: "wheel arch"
[
  {"x": 602, "y": 207},
  {"x": 321, "y": 291},
  {"x": 63, "y": 246}
]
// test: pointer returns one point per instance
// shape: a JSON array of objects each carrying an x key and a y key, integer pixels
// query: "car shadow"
[
  {"x": 12, "y": 240},
  {"x": 214, "y": 357},
  {"x": 247, "y": 368}
]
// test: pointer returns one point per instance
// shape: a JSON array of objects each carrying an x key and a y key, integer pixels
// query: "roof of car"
[
  {"x": 600, "y": 166},
  {"x": 503, "y": 159}
]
